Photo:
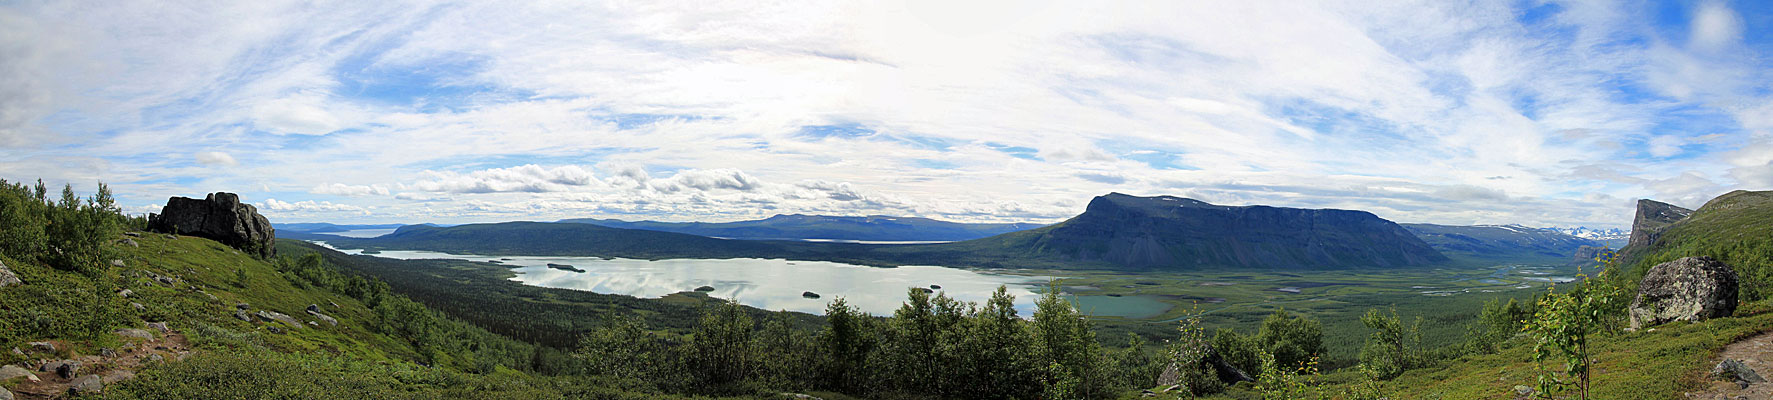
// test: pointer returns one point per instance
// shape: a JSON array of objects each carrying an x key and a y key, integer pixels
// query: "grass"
[{"x": 1239, "y": 300}]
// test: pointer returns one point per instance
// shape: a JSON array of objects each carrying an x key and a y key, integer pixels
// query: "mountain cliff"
[{"x": 1167, "y": 232}]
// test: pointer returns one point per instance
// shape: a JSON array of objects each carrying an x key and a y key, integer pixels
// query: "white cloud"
[
  {"x": 341, "y": 189},
  {"x": 276, "y": 207},
  {"x": 697, "y": 110},
  {"x": 526, "y": 178},
  {"x": 296, "y": 116},
  {"x": 215, "y": 158},
  {"x": 1715, "y": 26}
]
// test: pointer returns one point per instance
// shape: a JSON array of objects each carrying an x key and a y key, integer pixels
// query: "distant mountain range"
[
  {"x": 1115, "y": 231},
  {"x": 322, "y": 227},
  {"x": 1503, "y": 243},
  {"x": 820, "y": 227}
]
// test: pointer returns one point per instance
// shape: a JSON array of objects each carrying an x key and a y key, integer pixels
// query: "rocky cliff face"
[
  {"x": 1652, "y": 218},
  {"x": 220, "y": 217},
  {"x": 1168, "y": 232}
]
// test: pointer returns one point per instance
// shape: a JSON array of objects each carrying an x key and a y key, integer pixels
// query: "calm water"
[
  {"x": 770, "y": 284},
  {"x": 363, "y": 233}
]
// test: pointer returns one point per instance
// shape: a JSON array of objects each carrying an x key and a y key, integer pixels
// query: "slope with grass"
[
  {"x": 384, "y": 346},
  {"x": 1736, "y": 228}
]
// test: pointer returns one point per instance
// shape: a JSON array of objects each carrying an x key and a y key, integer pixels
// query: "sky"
[{"x": 1457, "y": 112}]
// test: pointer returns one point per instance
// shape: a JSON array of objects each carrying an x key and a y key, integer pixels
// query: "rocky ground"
[
  {"x": 1757, "y": 354},
  {"x": 53, "y": 378}
]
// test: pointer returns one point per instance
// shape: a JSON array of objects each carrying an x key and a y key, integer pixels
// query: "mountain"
[
  {"x": 1736, "y": 228},
  {"x": 322, "y": 227},
  {"x": 545, "y": 238},
  {"x": 1115, "y": 231},
  {"x": 1502, "y": 243},
  {"x": 800, "y": 227},
  {"x": 1167, "y": 232},
  {"x": 1612, "y": 237}
]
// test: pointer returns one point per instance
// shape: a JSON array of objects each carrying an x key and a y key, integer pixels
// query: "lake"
[
  {"x": 770, "y": 284},
  {"x": 362, "y": 233}
]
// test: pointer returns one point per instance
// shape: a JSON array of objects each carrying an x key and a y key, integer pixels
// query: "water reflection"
[{"x": 770, "y": 284}]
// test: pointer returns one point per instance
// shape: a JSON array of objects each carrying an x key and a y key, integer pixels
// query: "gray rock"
[
  {"x": 128, "y": 242},
  {"x": 221, "y": 217},
  {"x": 1735, "y": 371},
  {"x": 241, "y": 314},
  {"x": 323, "y": 317},
  {"x": 87, "y": 385},
  {"x": 67, "y": 369},
  {"x": 118, "y": 263},
  {"x": 118, "y": 376},
  {"x": 155, "y": 357},
  {"x": 135, "y": 333},
  {"x": 125, "y": 293},
  {"x": 169, "y": 236},
  {"x": 42, "y": 347},
  {"x": 138, "y": 306},
  {"x": 269, "y": 316},
  {"x": 13, "y": 371},
  {"x": 313, "y": 308},
  {"x": 243, "y": 306},
  {"x": 5, "y": 394},
  {"x": 160, "y": 326},
  {"x": 1687, "y": 289},
  {"x": 107, "y": 352},
  {"x": 51, "y": 366},
  {"x": 7, "y": 278}
]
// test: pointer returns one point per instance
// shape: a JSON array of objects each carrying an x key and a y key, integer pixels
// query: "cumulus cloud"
[
  {"x": 215, "y": 158},
  {"x": 311, "y": 206},
  {"x": 1715, "y": 26},
  {"x": 341, "y": 189},
  {"x": 704, "y": 180},
  {"x": 701, "y": 111},
  {"x": 526, "y": 178}
]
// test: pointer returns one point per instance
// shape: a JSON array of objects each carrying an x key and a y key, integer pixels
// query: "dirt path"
[
  {"x": 113, "y": 368},
  {"x": 1756, "y": 353}
]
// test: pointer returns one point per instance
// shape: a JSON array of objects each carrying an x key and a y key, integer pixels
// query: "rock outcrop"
[
  {"x": 1653, "y": 217},
  {"x": 220, "y": 217},
  {"x": 7, "y": 278},
  {"x": 1687, "y": 289}
]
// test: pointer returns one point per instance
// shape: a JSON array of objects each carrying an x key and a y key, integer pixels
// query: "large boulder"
[
  {"x": 221, "y": 217},
  {"x": 1688, "y": 289}
]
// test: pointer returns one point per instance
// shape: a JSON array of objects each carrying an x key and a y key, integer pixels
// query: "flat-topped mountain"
[
  {"x": 1167, "y": 232},
  {"x": 801, "y": 227}
]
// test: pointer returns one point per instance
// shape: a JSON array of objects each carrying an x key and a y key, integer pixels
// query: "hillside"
[
  {"x": 800, "y": 227},
  {"x": 200, "y": 289},
  {"x": 1501, "y": 243},
  {"x": 1171, "y": 232},
  {"x": 1736, "y": 228}
]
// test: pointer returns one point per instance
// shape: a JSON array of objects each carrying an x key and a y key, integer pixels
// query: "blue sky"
[{"x": 1481, "y": 112}]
